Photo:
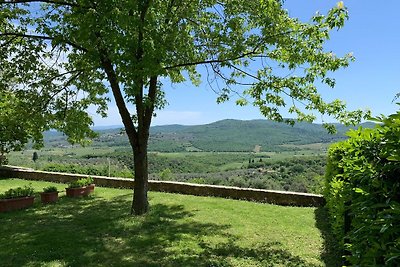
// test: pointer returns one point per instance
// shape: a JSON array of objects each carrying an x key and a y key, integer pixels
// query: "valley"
[{"x": 258, "y": 154}]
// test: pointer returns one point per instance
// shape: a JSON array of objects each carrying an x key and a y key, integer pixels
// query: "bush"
[
  {"x": 257, "y": 183},
  {"x": 298, "y": 168},
  {"x": 197, "y": 181},
  {"x": 238, "y": 182},
  {"x": 362, "y": 181},
  {"x": 166, "y": 175}
]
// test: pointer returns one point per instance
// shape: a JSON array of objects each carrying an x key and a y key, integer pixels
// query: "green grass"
[{"x": 179, "y": 230}]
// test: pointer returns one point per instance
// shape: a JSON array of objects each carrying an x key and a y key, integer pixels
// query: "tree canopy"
[{"x": 69, "y": 54}]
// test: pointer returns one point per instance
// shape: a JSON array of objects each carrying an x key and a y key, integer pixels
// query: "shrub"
[
  {"x": 362, "y": 181},
  {"x": 238, "y": 182},
  {"x": 197, "y": 181},
  {"x": 298, "y": 168},
  {"x": 258, "y": 183},
  {"x": 18, "y": 192},
  {"x": 166, "y": 175},
  {"x": 254, "y": 165}
]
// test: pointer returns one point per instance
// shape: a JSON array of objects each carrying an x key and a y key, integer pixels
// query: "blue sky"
[{"x": 371, "y": 33}]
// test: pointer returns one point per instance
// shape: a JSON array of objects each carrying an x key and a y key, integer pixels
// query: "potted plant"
[
  {"x": 90, "y": 184},
  {"x": 49, "y": 195},
  {"x": 80, "y": 187},
  {"x": 16, "y": 198}
]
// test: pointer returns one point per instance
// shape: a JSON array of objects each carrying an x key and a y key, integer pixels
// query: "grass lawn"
[{"x": 178, "y": 231}]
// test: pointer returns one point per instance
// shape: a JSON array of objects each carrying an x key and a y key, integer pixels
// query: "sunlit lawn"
[{"x": 178, "y": 231}]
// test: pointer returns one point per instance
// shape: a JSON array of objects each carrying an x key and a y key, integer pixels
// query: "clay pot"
[
  {"x": 90, "y": 188},
  {"x": 16, "y": 203},
  {"x": 49, "y": 197},
  {"x": 77, "y": 191}
]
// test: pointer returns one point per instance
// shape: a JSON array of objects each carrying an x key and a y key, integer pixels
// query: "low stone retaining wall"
[{"x": 267, "y": 196}]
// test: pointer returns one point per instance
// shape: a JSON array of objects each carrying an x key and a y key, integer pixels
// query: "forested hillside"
[
  {"x": 256, "y": 153},
  {"x": 222, "y": 136}
]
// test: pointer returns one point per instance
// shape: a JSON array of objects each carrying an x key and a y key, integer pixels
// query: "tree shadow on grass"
[
  {"x": 95, "y": 231},
  {"x": 263, "y": 254},
  {"x": 331, "y": 254}
]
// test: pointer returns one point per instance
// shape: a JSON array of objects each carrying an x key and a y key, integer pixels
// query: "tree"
[
  {"x": 70, "y": 53},
  {"x": 24, "y": 118},
  {"x": 16, "y": 128},
  {"x": 35, "y": 156}
]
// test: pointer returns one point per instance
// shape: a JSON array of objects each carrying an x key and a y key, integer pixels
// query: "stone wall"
[{"x": 267, "y": 196}]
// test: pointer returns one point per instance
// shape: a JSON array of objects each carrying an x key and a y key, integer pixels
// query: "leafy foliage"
[
  {"x": 17, "y": 126},
  {"x": 288, "y": 171},
  {"x": 89, "y": 169},
  {"x": 81, "y": 182},
  {"x": 18, "y": 192},
  {"x": 294, "y": 174},
  {"x": 363, "y": 180},
  {"x": 50, "y": 189},
  {"x": 26, "y": 109}
]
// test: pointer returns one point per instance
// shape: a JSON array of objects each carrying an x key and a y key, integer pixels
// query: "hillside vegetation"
[
  {"x": 257, "y": 154},
  {"x": 220, "y": 136}
]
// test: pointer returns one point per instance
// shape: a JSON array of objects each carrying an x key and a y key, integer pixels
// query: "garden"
[
  {"x": 65, "y": 62},
  {"x": 179, "y": 230}
]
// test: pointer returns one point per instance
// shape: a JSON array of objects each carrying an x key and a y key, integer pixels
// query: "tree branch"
[
  {"x": 6, "y": 44},
  {"x": 152, "y": 99},
  {"x": 42, "y": 37},
  {"x": 253, "y": 53},
  {"x": 119, "y": 99},
  {"x": 209, "y": 61},
  {"x": 51, "y": 79},
  {"x": 143, "y": 129},
  {"x": 70, "y": 80},
  {"x": 56, "y": 2}
]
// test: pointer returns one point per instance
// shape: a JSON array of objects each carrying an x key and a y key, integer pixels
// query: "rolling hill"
[{"x": 225, "y": 135}]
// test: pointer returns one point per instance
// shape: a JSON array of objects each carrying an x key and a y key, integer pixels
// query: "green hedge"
[{"x": 363, "y": 181}]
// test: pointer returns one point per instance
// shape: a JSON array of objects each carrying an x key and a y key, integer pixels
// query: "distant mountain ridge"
[
  {"x": 225, "y": 135},
  {"x": 238, "y": 135}
]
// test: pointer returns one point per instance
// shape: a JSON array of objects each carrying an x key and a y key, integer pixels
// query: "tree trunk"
[
  {"x": 140, "y": 204},
  {"x": 138, "y": 137}
]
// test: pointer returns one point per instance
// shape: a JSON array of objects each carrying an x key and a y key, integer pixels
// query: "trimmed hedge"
[{"x": 363, "y": 186}]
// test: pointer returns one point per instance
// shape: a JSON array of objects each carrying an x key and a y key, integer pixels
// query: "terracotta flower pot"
[
  {"x": 16, "y": 203},
  {"x": 90, "y": 188},
  {"x": 77, "y": 191},
  {"x": 49, "y": 197}
]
